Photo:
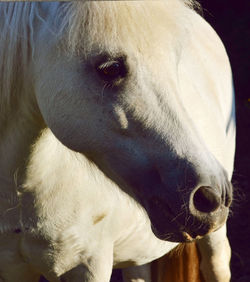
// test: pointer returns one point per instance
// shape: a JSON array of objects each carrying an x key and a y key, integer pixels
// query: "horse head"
[{"x": 116, "y": 99}]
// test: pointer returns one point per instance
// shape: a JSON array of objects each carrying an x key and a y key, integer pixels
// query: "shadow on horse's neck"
[{"x": 19, "y": 133}]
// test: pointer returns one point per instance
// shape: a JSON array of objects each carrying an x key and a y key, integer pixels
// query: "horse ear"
[{"x": 182, "y": 264}]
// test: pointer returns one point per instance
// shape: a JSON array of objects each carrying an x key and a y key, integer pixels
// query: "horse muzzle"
[
  {"x": 206, "y": 211},
  {"x": 184, "y": 199}
]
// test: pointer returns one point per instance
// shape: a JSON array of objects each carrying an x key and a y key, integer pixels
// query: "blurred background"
[{"x": 231, "y": 20}]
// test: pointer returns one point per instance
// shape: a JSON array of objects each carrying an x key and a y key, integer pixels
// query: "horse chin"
[
  {"x": 182, "y": 235},
  {"x": 177, "y": 237}
]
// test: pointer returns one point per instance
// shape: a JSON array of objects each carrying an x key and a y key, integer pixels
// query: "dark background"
[{"x": 231, "y": 20}]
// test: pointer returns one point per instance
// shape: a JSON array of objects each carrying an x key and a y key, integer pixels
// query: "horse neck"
[{"x": 17, "y": 136}]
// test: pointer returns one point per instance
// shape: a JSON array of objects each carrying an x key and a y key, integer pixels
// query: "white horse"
[{"x": 117, "y": 139}]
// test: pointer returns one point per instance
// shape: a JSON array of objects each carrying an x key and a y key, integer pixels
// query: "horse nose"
[{"x": 206, "y": 199}]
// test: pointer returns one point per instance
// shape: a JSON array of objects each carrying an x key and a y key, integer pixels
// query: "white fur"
[{"x": 75, "y": 221}]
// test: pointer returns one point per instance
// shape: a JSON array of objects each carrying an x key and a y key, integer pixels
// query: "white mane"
[
  {"x": 102, "y": 22},
  {"x": 16, "y": 25}
]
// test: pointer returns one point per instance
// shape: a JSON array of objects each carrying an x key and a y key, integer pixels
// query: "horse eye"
[{"x": 111, "y": 70}]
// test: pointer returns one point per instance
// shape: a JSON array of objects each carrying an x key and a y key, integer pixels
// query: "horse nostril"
[{"x": 206, "y": 200}]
